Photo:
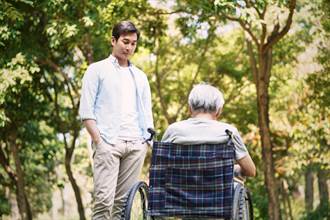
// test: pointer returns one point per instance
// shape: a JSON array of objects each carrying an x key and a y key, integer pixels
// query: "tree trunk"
[
  {"x": 284, "y": 205},
  {"x": 28, "y": 206},
  {"x": 62, "y": 209},
  {"x": 22, "y": 201},
  {"x": 265, "y": 63},
  {"x": 68, "y": 157},
  {"x": 323, "y": 189},
  {"x": 14, "y": 212},
  {"x": 289, "y": 202},
  {"x": 309, "y": 190},
  {"x": 285, "y": 199}
]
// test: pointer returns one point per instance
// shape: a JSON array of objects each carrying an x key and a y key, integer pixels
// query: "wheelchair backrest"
[{"x": 191, "y": 180}]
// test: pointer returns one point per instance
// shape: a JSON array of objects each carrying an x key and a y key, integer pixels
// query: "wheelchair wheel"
[
  {"x": 248, "y": 202},
  {"x": 242, "y": 204},
  {"x": 136, "y": 203}
]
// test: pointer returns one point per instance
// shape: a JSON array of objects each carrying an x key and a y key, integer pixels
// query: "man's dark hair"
[{"x": 124, "y": 27}]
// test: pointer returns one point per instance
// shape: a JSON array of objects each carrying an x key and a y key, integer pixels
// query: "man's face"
[{"x": 124, "y": 46}]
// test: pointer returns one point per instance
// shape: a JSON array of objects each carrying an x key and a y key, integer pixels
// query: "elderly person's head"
[{"x": 205, "y": 99}]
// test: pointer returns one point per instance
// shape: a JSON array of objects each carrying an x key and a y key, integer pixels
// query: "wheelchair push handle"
[
  {"x": 152, "y": 134},
  {"x": 229, "y": 133}
]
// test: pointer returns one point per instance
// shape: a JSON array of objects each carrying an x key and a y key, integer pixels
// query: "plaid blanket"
[{"x": 191, "y": 180}]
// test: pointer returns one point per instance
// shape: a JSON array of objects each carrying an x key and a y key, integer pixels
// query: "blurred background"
[{"x": 270, "y": 58}]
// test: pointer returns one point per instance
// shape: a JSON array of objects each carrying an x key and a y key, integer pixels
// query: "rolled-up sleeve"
[
  {"x": 89, "y": 91},
  {"x": 240, "y": 148}
]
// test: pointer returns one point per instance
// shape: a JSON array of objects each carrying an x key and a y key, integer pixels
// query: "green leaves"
[
  {"x": 4, "y": 202},
  {"x": 58, "y": 32},
  {"x": 18, "y": 71},
  {"x": 46, "y": 47}
]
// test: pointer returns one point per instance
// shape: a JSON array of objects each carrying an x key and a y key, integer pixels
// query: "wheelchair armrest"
[{"x": 238, "y": 175}]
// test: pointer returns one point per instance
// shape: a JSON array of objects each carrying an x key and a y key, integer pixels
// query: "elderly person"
[{"x": 205, "y": 106}]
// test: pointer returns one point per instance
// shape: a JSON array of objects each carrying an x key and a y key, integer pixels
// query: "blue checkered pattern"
[{"x": 191, "y": 180}]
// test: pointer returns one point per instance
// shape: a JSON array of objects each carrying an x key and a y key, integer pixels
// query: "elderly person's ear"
[
  {"x": 219, "y": 113},
  {"x": 190, "y": 110}
]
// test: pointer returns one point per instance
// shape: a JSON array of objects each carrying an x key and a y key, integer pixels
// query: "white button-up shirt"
[{"x": 101, "y": 98}]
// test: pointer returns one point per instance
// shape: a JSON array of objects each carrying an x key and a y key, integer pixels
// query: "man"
[
  {"x": 115, "y": 107},
  {"x": 205, "y": 105}
]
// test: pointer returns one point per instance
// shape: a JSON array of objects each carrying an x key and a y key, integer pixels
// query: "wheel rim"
[
  {"x": 138, "y": 210},
  {"x": 136, "y": 204}
]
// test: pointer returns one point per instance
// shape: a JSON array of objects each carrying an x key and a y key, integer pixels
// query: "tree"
[
  {"x": 26, "y": 160},
  {"x": 63, "y": 38},
  {"x": 308, "y": 118}
]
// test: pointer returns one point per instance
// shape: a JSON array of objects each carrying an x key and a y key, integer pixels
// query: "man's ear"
[{"x": 113, "y": 40}]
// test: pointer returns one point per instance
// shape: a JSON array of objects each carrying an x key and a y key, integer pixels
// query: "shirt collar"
[{"x": 114, "y": 60}]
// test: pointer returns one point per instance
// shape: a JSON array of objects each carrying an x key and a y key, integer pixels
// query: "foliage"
[
  {"x": 4, "y": 201},
  {"x": 46, "y": 46},
  {"x": 35, "y": 139},
  {"x": 16, "y": 71}
]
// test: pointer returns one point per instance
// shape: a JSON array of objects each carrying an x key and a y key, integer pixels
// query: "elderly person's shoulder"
[
  {"x": 175, "y": 130},
  {"x": 201, "y": 123},
  {"x": 225, "y": 126},
  {"x": 179, "y": 125},
  {"x": 210, "y": 124}
]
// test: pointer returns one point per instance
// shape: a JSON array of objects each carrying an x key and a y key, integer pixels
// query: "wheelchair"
[{"x": 190, "y": 182}]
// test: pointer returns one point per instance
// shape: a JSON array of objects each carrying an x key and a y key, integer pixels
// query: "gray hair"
[{"x": 205, "y": 98}]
